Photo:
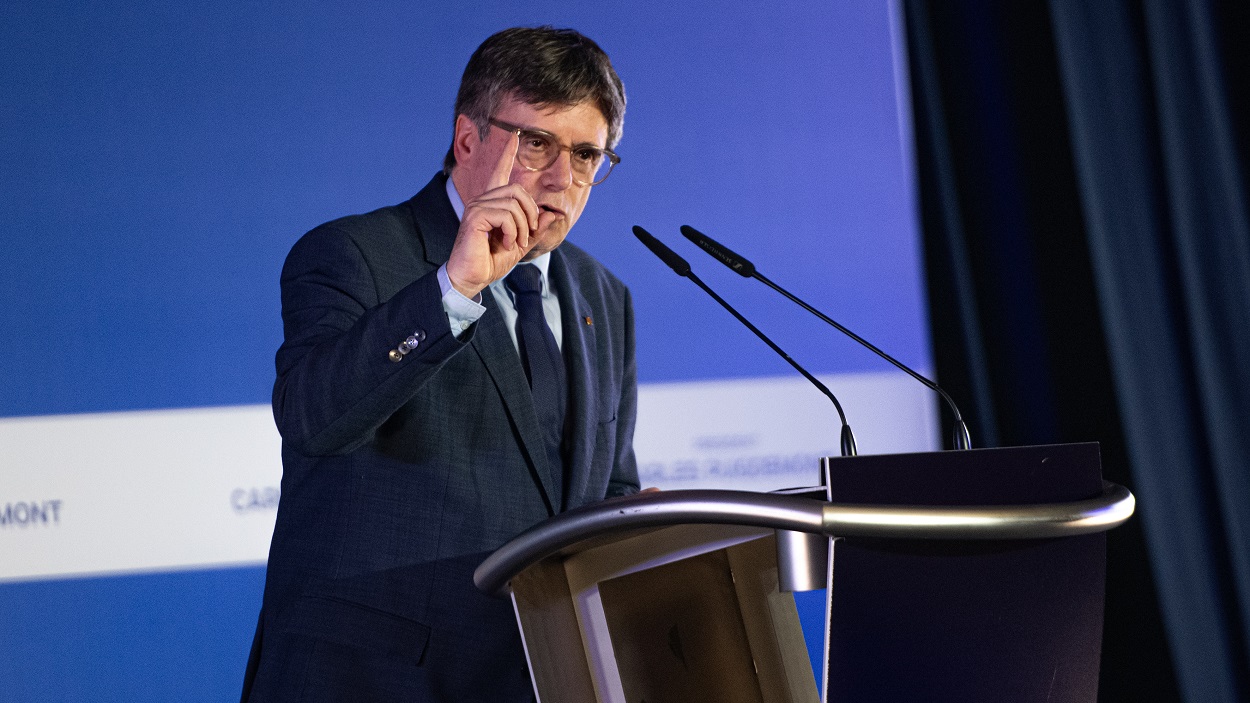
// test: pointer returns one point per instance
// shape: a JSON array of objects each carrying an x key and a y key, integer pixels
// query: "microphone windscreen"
[
  {"x": 719, "y": 251},
  {"x": 666, "y": 255}
]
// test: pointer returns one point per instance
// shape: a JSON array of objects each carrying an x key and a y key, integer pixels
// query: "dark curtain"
[
  {"x": 1162, "y": 187},
  {"x": 1088, "y": 252}
]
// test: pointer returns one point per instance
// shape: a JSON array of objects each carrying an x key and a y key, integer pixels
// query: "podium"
[{"x": 973, "y": 576}]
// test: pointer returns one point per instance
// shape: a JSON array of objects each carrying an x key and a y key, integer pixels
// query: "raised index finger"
[{"x": 503, "y": 170}]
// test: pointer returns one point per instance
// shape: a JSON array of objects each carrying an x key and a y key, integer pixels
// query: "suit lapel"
[
  {"x": 580, "y": 352},
  {"x": 435, "y": 220}
]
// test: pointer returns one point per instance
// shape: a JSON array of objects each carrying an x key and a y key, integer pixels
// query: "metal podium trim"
[{"x": 800, "y": 514}]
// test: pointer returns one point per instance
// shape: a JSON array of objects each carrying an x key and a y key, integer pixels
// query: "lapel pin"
[{"x": 589, "y": 321}]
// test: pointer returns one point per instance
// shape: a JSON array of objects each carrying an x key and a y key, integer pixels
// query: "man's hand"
[{"x": 498, "y": 230}]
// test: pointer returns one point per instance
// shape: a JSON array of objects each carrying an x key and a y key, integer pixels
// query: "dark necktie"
[{"x": 542, "y": 361}]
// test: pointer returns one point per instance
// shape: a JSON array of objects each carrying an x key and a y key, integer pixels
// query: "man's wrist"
[
  {"x": 469, "y": 292},
  {"x": 462, "y": 310}
]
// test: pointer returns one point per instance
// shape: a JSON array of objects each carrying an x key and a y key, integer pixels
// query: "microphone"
[
  {"x": 959, "y": 437},
  {"x": 682, "y": 268}
]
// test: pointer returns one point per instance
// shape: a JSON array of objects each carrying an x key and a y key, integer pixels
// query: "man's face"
[{"x": 553, "y": 188}]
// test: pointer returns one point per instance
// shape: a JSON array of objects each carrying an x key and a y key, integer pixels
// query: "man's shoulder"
[
  {"x": 583, "y": 266},
  {"x": 384, "y": 221},
  {"x": 386, "y": 228},
  {"x": 353, "y": 241},
  {"x": 592, "y": 280}
]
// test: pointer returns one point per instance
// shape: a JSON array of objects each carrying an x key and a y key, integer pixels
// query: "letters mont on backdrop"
[{"x": 25, "y": 514}]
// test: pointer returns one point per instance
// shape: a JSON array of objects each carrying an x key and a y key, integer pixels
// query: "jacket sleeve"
[{"x": 336, "y": 381}]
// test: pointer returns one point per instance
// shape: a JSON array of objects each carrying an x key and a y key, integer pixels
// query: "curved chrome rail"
[{"x": 783, "y": 512}]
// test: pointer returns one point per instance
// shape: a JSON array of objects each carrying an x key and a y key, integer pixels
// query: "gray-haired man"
[{"x": 452, "y": 373}]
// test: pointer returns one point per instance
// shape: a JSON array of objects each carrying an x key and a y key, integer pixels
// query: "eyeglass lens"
[{"x": 538, "y": 151}]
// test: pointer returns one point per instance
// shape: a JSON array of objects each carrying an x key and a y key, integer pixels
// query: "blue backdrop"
[{"x": 160, "y": 159}]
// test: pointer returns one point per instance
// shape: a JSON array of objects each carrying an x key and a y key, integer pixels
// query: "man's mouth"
[{"x": 553, "y": 210}]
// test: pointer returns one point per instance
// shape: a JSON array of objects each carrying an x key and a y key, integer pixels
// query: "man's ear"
[{"x": 465, "y": 140}]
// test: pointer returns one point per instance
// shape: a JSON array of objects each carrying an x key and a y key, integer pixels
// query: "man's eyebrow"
[
  {"x": 553, "y": 135},
  {"x": 535, "y": 130}
]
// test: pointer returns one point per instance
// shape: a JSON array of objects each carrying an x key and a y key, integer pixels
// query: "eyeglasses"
[{"x": 538, "y": 150}]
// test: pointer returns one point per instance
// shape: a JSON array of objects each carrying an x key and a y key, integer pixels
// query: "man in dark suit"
[{"x": 452, "y": 373}]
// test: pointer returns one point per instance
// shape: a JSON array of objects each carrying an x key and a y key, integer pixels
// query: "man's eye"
[
  {"x": 590, "y": 156},
  {"x": 536, "y": 143}
]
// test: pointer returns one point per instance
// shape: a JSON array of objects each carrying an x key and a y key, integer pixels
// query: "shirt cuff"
[{"x": 461, "y": 311}]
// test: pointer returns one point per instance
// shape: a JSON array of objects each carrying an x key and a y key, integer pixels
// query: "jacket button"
[{"x": 395, "y": 355}]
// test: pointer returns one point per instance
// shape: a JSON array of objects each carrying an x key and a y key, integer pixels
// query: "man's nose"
[{"x": 559, "y": 175}]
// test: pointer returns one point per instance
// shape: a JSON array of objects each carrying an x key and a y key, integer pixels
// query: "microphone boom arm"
[
  {"x": 681, "y": 268},
  {"x": 736, "y": 262}
]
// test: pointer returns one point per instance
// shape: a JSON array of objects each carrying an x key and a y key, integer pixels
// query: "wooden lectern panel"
[
  {"x": 677, "y": 633},
  {"x": 772, "y": 624},
  {"x": 687, "y": 614},
  {"x": 550, "y": 631}
]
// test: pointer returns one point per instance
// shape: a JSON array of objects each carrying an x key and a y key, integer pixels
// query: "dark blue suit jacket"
[{"x": 400, "y": 477}]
